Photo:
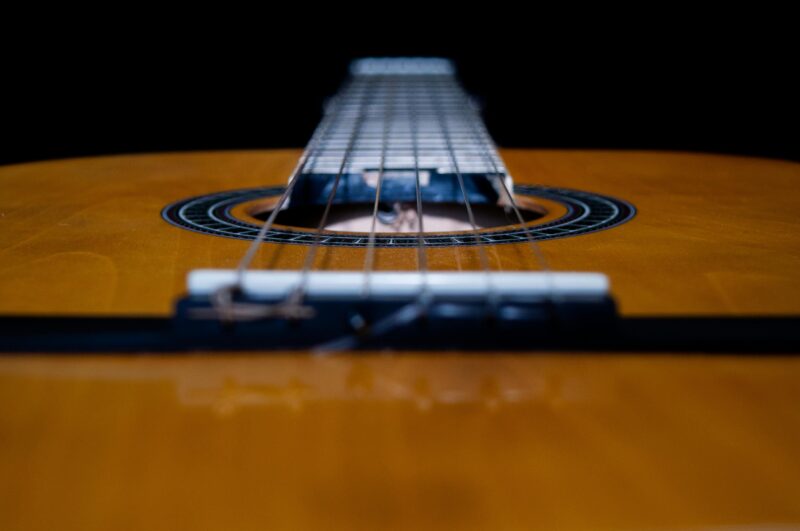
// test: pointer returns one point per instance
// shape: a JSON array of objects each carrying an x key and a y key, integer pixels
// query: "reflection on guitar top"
[{"x": 231, "y": 384}]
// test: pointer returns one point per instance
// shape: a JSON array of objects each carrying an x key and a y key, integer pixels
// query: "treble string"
[
  {"x": 422, "y": 258},
  {"x": 486, "y": 145},
  {"x": 484, "y": 259},
  {"x": 369, "y": 260}
]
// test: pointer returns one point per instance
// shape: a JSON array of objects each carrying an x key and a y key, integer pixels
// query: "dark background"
[{"x": 669, "y": 81}]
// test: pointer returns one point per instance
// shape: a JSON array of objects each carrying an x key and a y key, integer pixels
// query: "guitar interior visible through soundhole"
[{"x": 400, "y": 217}]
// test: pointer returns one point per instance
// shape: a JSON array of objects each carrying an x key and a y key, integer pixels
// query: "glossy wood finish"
[
  {"x": 399, "y": 441},
  {"x": 436, "y": 441},
  {"x": 714, "y": 234}
]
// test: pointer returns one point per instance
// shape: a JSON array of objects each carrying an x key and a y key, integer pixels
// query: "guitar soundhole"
[
  {"x": 400, "y": 218},
  {"x": 549, "y": 212}
]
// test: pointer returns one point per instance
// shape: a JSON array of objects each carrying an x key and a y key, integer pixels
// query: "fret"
[{"x": 382, "y": 91}]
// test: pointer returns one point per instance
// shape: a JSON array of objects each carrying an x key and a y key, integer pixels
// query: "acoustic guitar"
[{"x": 400, "y": 327}]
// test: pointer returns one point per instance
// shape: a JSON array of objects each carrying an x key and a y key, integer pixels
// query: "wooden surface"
[
  {"x": 436, "y": 441},
  {"x": 713, "y": 234},
  {"x": 401, "y": 441}
]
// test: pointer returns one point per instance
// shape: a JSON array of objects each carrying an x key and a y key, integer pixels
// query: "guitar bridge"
[{"x": 350, "y": 309}]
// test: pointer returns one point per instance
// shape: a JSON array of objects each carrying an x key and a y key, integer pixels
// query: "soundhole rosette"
[{"x": 583, "y": 213}]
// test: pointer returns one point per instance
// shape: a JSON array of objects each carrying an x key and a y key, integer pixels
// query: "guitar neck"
[{"x": 401, "y": 114}]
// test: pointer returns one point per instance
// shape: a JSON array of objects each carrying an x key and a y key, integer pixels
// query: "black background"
[{"x": 669, "y": 81}]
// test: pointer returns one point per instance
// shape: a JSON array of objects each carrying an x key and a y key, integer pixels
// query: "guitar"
[{"x": 400, "y": 326}]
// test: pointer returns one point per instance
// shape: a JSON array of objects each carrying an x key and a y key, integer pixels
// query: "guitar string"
[
  {"x": 487, "y": 145},
  {"x": 422, "y": 257},
  {"x": 484, "y": 259},
  {"x": 414, "y": 310},
  {"x": 299, "y": 168},
  {"x": 295, "y": 298},
  {"x": 222, "y": 299},
  {"x": 369, "y": 259}
]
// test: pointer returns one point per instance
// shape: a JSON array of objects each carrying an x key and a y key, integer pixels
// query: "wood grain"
[
  {"x": 401, "y": 441},
  {"x": 713, "y": 234}
]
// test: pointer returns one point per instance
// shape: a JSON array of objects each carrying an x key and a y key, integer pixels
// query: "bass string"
[
  {"x": 295, "y": 299},
  {"x": 484, "y": 144},
  {"x": 414, "y": 310},
  {"x": 302, "y": 164},
  {"x": 222, "y": 299}
]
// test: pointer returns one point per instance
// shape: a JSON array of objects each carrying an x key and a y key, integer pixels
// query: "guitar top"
[{"x": 400, "y": 327}]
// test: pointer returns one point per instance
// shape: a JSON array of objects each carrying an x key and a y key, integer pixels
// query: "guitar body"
[
  {"x": 489, "y": 440},
  {"x": 713, "y": 235}
]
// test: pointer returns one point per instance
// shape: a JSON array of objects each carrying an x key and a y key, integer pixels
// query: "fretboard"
[{"x": 402, "y": 114}]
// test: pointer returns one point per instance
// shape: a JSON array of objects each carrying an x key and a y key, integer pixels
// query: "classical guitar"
[{"x": 400, "y": 326}]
